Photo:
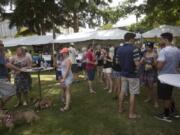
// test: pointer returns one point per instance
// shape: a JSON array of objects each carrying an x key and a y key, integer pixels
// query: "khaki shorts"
[
  {"x": 6, "y": 89},
  {"x": 130, "y": 84}
]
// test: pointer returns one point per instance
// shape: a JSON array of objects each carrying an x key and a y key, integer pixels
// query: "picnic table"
[{"x": 170, "y": 79}]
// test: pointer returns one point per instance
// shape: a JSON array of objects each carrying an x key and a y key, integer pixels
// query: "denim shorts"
[{"x": 91, "y": 74}]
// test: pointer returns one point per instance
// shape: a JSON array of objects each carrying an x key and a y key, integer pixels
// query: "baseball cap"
[{"x": 64, "y": 50}]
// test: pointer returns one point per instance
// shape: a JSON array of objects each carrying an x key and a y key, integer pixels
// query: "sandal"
[
  {"x": 92, "y": 91},
  {"x": 63, "y": 109},
  {"x": 135, "y": 116}
]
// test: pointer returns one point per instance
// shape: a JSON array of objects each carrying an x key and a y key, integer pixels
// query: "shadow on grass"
[{"x": 92, "y": 115}]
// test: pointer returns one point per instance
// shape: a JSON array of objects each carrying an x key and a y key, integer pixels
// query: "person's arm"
[
  {"x": 109, "y": 59},
  {"x": 155, "y": 60},
  {"x": 142, "y": 59},
  {"x": 136, "y": 57},
  {"x": 10, "y": 66},
  {"x": 67, "y": 71},
  {"x": 161, "y": 60}
]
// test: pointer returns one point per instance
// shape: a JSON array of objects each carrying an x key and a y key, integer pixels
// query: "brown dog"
[
  {"x": 9, "y": 119},
  {"x": 27, "y": 116}
]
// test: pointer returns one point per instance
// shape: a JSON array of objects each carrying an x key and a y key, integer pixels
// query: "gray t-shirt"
[{"x": 171, "y": 56}]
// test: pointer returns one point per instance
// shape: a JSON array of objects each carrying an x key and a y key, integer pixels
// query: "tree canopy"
[
  {"x": 157, "y": 12},
  {"x": 40, "y": 15}
]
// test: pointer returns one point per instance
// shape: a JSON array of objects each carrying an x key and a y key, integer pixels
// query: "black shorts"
[{"x": 164, "y": 91}]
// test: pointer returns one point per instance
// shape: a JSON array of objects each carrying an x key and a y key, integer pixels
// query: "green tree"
[
  {"x": 157, "y": 12},
  {"x": 40, "y": 15},
  {"x": 36, "y": 15}
]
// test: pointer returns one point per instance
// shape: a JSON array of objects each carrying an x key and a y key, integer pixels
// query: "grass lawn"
[{"x": 91, "y": 114}]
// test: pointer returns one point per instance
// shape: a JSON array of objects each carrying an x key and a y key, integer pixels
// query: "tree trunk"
[{"x": 76, "y": 22}]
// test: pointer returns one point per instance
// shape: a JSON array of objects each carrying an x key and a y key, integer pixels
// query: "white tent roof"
[
  {"x": 37, "y": 40},
  {"x": 75, "y": 37},
  {"x": 30, "y": 40},
  {"x": 112, "y": 34},
  {"x": 156, "y": 32},
  {"x": 13, "y": 41}
]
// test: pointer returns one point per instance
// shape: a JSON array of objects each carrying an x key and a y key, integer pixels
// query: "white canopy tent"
[
  {"x": 156, "y": 32},
  {"x": 112, "y": 34},
  {"x": 75, "y": 37},
  {"x": 37, "y": 40},
  {"x": 30, "y": 40},
  {"x": 13, "y": 41}
]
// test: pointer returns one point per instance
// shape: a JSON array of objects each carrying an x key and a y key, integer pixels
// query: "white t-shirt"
[
  {"x": 171, "y": 56},
  {"x": 72, "y": 55}
]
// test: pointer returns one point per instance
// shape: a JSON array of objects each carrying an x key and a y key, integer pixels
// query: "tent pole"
[
  {"x": 53, "y": 48},
  {"x": 54, "y": 37},
  {"x": 93, "y": 43},
  {"x": 141, "y": 39}
]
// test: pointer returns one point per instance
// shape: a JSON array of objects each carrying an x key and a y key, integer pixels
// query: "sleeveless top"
[
  {"x": 149, "y": 61},
  {"x": 20, "y": 62},
  {"x": 106, "y": 63},
  {"x": 64, "y": 67}
]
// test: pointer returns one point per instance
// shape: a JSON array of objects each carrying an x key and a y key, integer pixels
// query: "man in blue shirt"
[
  {"x": 6, "y": 89},
  {"x": 168, "y": 60},
  {"x": 129, "y": 59}
]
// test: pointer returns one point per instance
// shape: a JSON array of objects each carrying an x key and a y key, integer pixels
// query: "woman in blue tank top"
[{"x": 67, "y": 78}]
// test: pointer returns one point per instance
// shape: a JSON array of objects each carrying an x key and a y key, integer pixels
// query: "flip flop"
[
  {"x": 135, "y": 116},
  {"x": 92, "y": 92}
]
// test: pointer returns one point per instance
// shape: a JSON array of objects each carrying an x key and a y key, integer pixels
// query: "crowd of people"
[{"x": 122, "y": 69}]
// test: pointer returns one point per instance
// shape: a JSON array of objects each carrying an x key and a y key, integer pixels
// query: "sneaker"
[
  {"x": 175, "y": 115},
  {"x": 163, "y": 117}
]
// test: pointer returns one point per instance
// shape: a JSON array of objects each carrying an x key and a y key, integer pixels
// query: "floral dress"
[{"x": 22, "y": 80}]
